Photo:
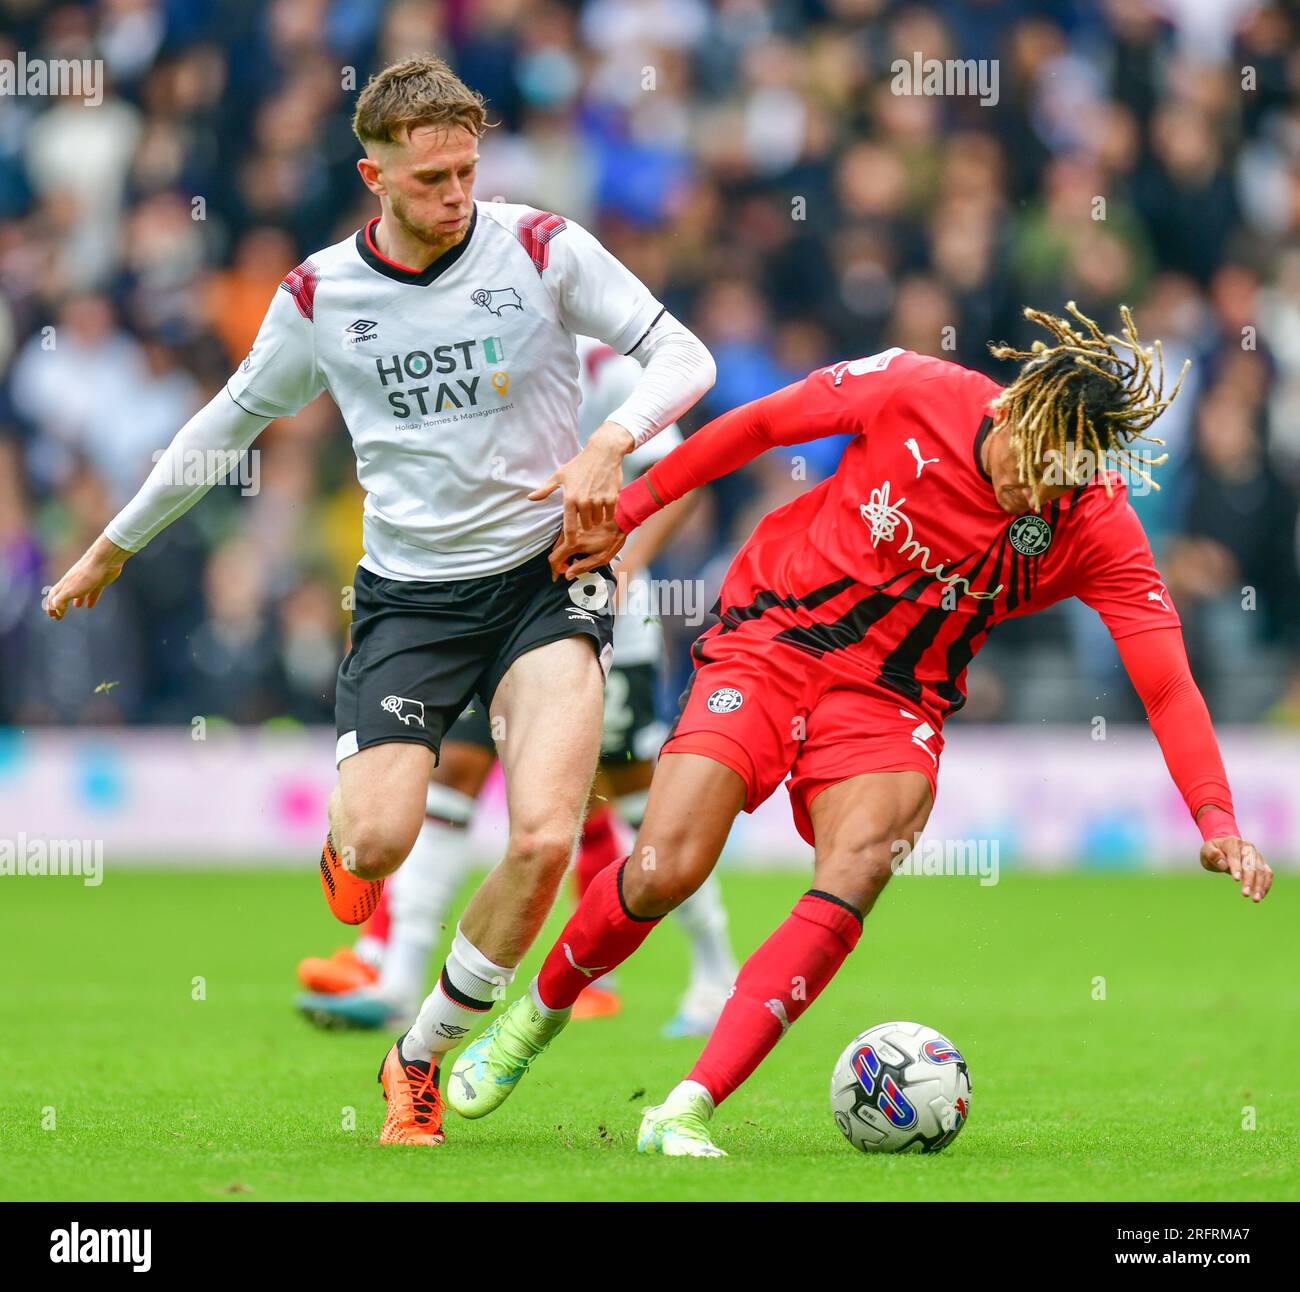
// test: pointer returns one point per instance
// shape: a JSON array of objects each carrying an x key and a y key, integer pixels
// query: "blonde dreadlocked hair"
[{"x": 1089, "y": 391}]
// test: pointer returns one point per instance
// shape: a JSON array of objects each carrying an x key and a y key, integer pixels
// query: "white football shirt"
[{"x": 458, "y": 383}]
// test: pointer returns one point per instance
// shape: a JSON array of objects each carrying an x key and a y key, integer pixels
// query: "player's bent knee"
[
  {"x": 651, "y": 887},
  {"x": 544, "y": 849},
  {"x": 375, "y": 850}
]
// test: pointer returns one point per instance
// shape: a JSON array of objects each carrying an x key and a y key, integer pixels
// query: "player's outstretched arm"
[
  {"x": 217, "y": 433},
  {"x": 277, "y": 378},
  {"x": 726, "y": 444},
  {"x": 1156, "y": 662},
  {"x": 101, "y": 563},
  {"x": 842, "y": 399},
  {"x": 1238, "y": 857}
]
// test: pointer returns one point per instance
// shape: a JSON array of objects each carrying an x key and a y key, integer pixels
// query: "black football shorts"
[
  {"x": 422, "y": 650},
  {"x": 632, "y": 731}
]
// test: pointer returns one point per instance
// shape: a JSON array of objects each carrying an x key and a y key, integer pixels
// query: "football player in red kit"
[{"x": 848, "y": 621}]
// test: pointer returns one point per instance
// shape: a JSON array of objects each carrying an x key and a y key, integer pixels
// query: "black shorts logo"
[
  {"x": 1030, "y": 535},
  {"x": 408, "y": 711},
  {"x": 590, "y": 592}
]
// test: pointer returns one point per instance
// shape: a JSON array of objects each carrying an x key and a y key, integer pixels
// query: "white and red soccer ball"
[{"x": 900, "y": 1088}]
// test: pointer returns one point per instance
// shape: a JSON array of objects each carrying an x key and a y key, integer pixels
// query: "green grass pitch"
[{"x": 1140, "y": 1095}]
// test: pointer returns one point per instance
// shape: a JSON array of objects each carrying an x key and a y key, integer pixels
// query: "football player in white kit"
[
  {"x": 444, "y": 331},
  {"x": 379, "y": 981}
]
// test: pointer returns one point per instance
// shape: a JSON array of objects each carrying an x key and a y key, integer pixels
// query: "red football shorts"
[{"x": 766, "y": 710}]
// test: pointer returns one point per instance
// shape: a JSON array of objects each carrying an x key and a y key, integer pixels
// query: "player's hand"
[
  {"x": 81, "y": 586},
  {"x": 591, "y": 481},
  {"x": 588, "y": 549},
  {"x": 1243, "y": 861}
]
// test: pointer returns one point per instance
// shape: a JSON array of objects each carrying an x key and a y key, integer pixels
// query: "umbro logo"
[{"x": 359, "y": 332}]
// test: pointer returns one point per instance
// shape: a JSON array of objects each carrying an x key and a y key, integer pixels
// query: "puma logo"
[
  {"x": 777, "y": 1006},
  {"x": 582, "y": 969},
  {"x": 1158, "y": 597},
  {"x": 915, "y": 450}
]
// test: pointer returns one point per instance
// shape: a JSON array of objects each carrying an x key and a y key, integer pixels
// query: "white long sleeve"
[
  {"x": 204, "y": 451},
  {"x": 677, "y": 369}
]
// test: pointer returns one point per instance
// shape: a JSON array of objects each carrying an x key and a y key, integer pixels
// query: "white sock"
[
  {"x": 686, "y": 1092},
  {"x": 419, "y": 894},
  {"x": 703, "y": 919},
  {"x": 371, "y": 950},
  {"x": 470, "y": 984},
  {"x": 545, "y": 1010}
]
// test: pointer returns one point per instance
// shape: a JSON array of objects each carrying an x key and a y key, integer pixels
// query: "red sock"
[
  {"x": 599, "y": 848},
  {"x": 599, "y": 937},
  {"x": 775, "y": 985},
  {"x": 378, "y": 924}
]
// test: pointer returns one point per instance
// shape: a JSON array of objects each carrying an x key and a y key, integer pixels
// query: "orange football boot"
[
  {"x": 597, "y": 1002},
  {"x": 350, "y": 898},
  {"x": 414, "y": 1100},
  {"x": 332, "y": 975}
]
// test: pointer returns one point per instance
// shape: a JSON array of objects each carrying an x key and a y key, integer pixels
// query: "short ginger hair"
[{"x": 419, "y": 91}]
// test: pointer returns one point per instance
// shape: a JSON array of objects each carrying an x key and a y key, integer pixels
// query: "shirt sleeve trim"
[{"x": 663, "y": 309}]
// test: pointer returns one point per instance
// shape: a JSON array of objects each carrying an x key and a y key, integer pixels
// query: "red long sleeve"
[
  {"x": 726, "y": 443},
  {"x": 814, "y": 408},
  {"x": 1156, "y": 662}
]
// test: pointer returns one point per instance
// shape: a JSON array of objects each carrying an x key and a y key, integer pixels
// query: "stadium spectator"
[{"x": 752, "y": 162}]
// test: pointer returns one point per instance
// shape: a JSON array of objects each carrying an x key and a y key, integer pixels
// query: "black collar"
[
  {"x": 371, "y": 254},
  {"x": 986, "y": 426}
]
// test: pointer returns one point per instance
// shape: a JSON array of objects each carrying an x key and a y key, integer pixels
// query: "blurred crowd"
[{"x": 752, "y": 162}]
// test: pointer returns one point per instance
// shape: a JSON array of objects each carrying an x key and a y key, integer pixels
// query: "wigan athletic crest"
[{"x": 1030, "y": 535}]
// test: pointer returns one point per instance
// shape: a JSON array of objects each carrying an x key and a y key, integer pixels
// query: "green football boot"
[
  {"x": 489, "y": 1069},
  {"x": 679, "y": 1127}
]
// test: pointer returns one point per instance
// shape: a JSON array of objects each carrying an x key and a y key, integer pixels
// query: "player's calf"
[
  {"x": 856, "y": 875},
  {"x": 864, "y": 829},
  {"x": 512, "y": 903}
]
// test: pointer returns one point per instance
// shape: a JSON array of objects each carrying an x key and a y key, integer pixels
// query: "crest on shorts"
[
  {"x": 726, "y": 699},
  {"x": 1030, "y": 535},
  {"x": 407, "y": 711},
  {"x": 590, "y": 592}
]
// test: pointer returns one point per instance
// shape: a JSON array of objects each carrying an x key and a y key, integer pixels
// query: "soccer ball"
[{"x": 900, "y": 1088}]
